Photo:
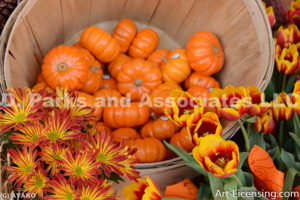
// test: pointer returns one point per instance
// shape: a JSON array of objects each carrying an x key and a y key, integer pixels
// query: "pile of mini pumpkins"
[{"x": 112, "y": 66}]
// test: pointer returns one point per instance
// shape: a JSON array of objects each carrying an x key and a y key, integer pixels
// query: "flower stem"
[
  {"x": 237, "y": 180},
  {"x": 281, "y": 134},
  {"x": 283, "y": 82},
  {"x": 247, "y": 144},
  {"x": 248, "y": 128}
]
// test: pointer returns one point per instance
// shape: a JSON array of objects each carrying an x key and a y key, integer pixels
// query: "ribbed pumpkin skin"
[
  {"x": 132, "y": 115},
  {"x": 107, "y": 97},
  {"x": 144, "y": 43},
  {"x": 205, "y": 53},
  {"x": 88, "y": 100},
  {"x": 116, "y": 65},
  {"x": 161, "y": 94},
  {"x": 124, "y": 33},
  {"x": 156, "y": 58},
  {"x": 101, "y": 127},
  {"x": 161, "y": 128},
  {"x": 125, "y": 134},
  {"x": 64, "y": 66},
  {"x": 95, "y": 73},
  {"x": 196, "y": 79},
  {"x": 137, "y": 78},
  {"x": 108, "y": 82},
  {"x": 149, "y": 150},
  {"x": 177, "y": 68},
  {"x": 182, "y": 140},
  {"x": 100, "y": 43}
]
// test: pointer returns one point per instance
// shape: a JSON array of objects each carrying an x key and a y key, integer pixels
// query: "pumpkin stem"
[
  {"x": 94, "y": 68},
  {"x": 164, "y": 59},
  {"x": 62, "y": 67},
  {"x": 216, "y": 49},
  {"x": 153, "y": 116},
  {"x": 138, "y": 82}
]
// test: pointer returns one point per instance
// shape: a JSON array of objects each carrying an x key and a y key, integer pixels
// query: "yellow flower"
[
  {"x": 184, "y": 107},
  {"x": 282, "y": 108},
  {"x": 258, "y": 106},
  {"x": 287, "y": 60},
  {"x": 271, "y": 15},
  {"x": 217, "y": 156},
  {"x": 265, "y": 122},
  {"x": 286, "y": 37},
  {"x": 294, "y": 12},
  {"x": 142, "y": 190}
]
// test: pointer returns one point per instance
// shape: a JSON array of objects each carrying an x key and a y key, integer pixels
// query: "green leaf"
[
  {"x": 270, "y": 91},
  {"x": 274, "y": 153},
  {"x": 290, "y": 84},
  {"x": 241, "y": 175},
  {"x": 231, "y": 186},
  {"x": 243, "y": 157},
  {"x": 188, "y": 159},
  {"x": 296, "y": 124},
  {"x": 272, "y": 140},
  {"x": 295, "y": 138},
  {"x": 246, "y": 190},
  {"x": 251, "y": 120},
  {"x": 171, "y": 199},
  {"x": 256, "y": 138},
  {"x": 204, "y": 192},
  {"x": 216, "y": 187},
  {"x": 289, "y": 180},
  {"x": 249, "y": 178},
  {"x": 289, "y": 160}
]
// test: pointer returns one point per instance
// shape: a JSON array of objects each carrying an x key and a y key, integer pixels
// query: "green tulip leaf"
[
  {"x": 204, "y": 192},
  {"x": 289, "y": 180},
  {"x": 290, "y": 83},
  {"x": 289, "y": 160}
]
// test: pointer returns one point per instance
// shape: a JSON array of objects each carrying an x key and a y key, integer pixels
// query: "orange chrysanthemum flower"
[
  {"x": 25, "y": 165},
  {"x": 61, "y": 189},
  {"x": 113, "y": 156},
  {"x": 21, "y": 109},
  {"x": 100, "y": 191},
  {"x": 217, "y": 156},
  {"x": 142, "y": 190},
  {"x": 31, "y": 135},
  {"x": 53, "y": 156},
  {"x": 81, "y": 167},
  {"x": 37, "y": 184},
  {"x": 61, "y": 127}
]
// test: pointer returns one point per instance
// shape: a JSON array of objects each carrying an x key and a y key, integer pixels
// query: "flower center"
[
  {"x": 39, "y": 182},
  {"x": 69, "y": 196},
  {"x": 20, "y": 117},
  {"x": 86, "y": 198},
  {"x": 57, "y": 157},
  {"x": 138, "y": 82},
  {"x": 34, "y": 138},
  {"x": 62, "y": 67},
  {"x": 102, "y": 157},
  {"x": 222, "y": 161},
  {"x": 78, "y": 171},
  {"x": 28, "y": 169},
  {"x": 53, "y": 135}
]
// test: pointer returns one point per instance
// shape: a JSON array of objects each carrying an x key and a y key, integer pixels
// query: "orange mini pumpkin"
[
  {"x": 100, "y": 43},
  {"x": 205, "y": 53},
  {"x": 156, "y": 58},
  {"x": 40, "y": 86},
  {"x": 106, "y": 97},
  {"x": 124, "y": 33},
  {"x": 87, "y": 100},
  {"x": 176, "y": 68},
  {"x": 196, "y": 79},
  {"x": 125, "y": 134},
  {"x": 161, "y": 128},
  {"x": 108, "y": 82},
  {"x": 148, "y": 149},
  {"x": 78, "y": 45},
  {"x": 138, "y": 77},
  {"x": 116, "y": 65},
  {"x": 144, "y": 43},
  {"x": 159, "y": 97},
  {"x": 39, "y": 79},
  {"x": 101, "y": 127},
  {"x": 95, "y": 73},
  {"x": 126, "y": 115},
  {"x": 64, "y": 66},
  {"x": 182, "y": 140}
]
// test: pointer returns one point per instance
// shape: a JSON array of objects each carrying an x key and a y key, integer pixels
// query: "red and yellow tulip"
[
  {"x": 286, "y": 37},
  {"x": 142, "y": 190},
  {"x": 208, "y": 124},
  {"x": 258, "y": 105},
  {"x": 265, "y": 122},
  {"x": 184, "y": 107},
  {"x": 217, "y": 156},
  {"x": 233, "y": 102},
  {"x": 282, "y": 107},
  {"x": 287, "y": 61},
  {"x": 294, "y": 12},
  {"x": 271, "y": 15},
  {"x": 295, "y": 99},
  {"x": 26, "y": 164}
]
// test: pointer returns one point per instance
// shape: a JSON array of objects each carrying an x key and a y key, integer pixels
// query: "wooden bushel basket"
[{"x": 241, "y": 25}]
